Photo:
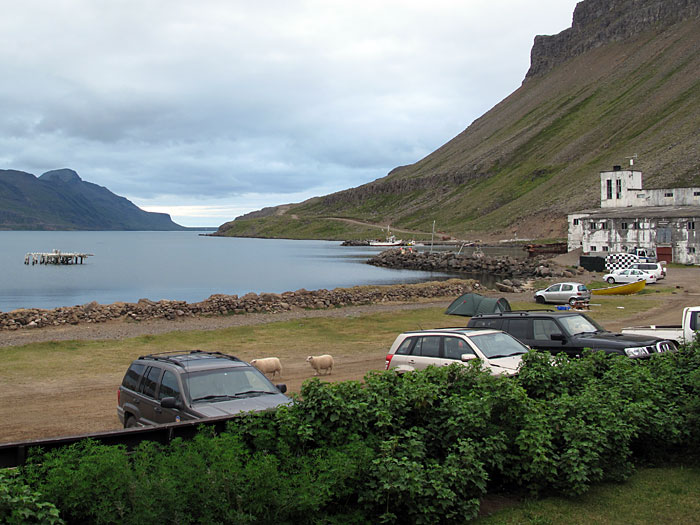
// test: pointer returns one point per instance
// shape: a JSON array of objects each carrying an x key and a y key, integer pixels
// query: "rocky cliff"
[{"x": 599, "y": 22}]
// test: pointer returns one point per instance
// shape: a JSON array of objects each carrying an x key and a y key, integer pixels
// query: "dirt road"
[{"x": 61, "y": 406}]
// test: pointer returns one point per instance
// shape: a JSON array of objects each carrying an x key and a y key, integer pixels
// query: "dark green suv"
[{"x": 178, "y": 386}]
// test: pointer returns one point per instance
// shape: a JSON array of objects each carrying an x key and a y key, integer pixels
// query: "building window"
[
  {"x": 592, "y": 225},
  {"x": 593, "y": 248},
  {"x": 576, "y": 222},
  {"x": 696, "y": 193},
  {"x": 608, "y": 188},
  {"x": 640, "y": 195},
  {"x": 605, "y": 248},
  {"x": 604, "y": 225},
  {"x": 668, "y": 194},
  {"x": 623, "y": 225},
  {"x": 691, "y": 249},
  {"x": 618, "y": 188},
  {"x": 691, "y": 225}
]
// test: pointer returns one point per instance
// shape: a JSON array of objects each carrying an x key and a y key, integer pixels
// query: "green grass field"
[{"x": 651, "y": 496}]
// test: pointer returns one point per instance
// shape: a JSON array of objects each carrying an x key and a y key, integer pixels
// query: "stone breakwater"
[
  {"x": 220, "y": 304},
  {"x": 453, "y": 263}
]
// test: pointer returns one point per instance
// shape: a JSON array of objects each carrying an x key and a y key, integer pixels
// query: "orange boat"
[{"x": 621, "y": 289}]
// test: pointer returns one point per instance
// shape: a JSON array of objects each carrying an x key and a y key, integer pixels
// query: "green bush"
[
  {"x": 420, "y": 447},
  {"x": 20, "y": 505}
]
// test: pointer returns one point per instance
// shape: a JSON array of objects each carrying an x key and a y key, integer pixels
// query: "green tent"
[{"x": 471, "y": 304}]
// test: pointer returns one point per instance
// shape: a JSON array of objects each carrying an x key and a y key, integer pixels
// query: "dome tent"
[{"x": 471, "y": 304}]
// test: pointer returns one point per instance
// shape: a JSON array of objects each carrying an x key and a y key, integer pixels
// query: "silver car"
[
  {"x": 563, "y": 293},
  {"x": 499, "y": 352}
]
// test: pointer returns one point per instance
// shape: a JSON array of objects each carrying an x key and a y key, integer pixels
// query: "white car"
[
  {"x": 654, "y": 268},
  {"x": 499, "y": 352},
  {"x": 629, "y": 275}
]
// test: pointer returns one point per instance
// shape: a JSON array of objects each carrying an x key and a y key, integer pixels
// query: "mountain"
[
  {"x": 61, "y": 200},
  {"x": 623, "y": 80}
]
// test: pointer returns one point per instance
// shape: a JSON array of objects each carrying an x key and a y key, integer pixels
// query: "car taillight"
[
  {"x": 119, "y": 395},
  {"x": 388, "y": 361}
]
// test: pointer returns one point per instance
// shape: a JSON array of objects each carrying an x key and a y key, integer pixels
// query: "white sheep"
[
  {"x": 267, "y": 365},
  {"x": 320, "y": 362}
]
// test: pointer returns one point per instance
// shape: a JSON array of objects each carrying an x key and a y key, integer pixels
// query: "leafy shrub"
[
  {"x": 420, "y": 447},
  {"x": 19, "y": 505}
]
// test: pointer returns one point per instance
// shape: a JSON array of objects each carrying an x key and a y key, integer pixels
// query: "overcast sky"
[{"x": 209, "y": 109}]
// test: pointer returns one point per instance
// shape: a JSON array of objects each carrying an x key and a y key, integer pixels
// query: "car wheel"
[
  {"x": 611, "y": 280},
  {"x": 539, "y": 299},
  {"x": 130, "y": 422},
  {"x": 573, "y": 301}
]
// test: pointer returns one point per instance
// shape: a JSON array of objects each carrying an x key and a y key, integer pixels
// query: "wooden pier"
[{"x": 56, "y": 257}]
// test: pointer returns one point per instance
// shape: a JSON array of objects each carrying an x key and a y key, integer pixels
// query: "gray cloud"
[{"x": 213, "y": 101}]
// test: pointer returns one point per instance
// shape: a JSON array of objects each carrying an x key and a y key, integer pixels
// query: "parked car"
[
  {"x": 179, "y": 386},
  {"x": 563, "y": 293},
  {"x": 569, "y": 332},
  {"x": 629, "y": 275},
  {"x": 498, "y": 352},
  {"x": 657, "y": 269}
]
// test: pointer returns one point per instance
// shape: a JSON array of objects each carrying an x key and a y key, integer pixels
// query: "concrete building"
[{"x": 629, "y": 217}]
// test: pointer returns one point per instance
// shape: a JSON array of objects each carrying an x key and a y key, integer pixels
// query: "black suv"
[
  {"x": 177, "y": 386},
  {"x": 569, "y": 332}
]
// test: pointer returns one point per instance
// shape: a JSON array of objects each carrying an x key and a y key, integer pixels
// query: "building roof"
[{"x": 635, "y": 212}]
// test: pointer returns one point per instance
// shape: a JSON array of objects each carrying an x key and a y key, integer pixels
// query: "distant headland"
[{"x": 61, "y": 200}]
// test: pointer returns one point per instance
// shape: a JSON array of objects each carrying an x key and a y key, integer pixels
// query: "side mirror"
[
  {"x": 282, "y": 388},
  {"x": 467, "y": 357},
  {"x": 557, "y": 337},
  {"x": 170, "y": 402}
]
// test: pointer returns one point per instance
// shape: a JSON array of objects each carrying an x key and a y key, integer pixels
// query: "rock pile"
[
  {"x": 232, "y": 304},
  {"x": 454, "y": 263}
]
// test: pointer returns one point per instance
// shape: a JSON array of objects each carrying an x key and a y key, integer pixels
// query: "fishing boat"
[
  {"x": 390, "y": 240},
  {"x": 621, "y": 289}
]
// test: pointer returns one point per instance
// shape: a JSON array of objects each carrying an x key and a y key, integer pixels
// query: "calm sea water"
[{"x": 128, "y": 266}]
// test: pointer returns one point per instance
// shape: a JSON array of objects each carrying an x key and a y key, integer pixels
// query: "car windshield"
[
  {"x": 498, "y": 344},
  {"x": 223, "y": 384},
  {"x": 579, "y": 324}
]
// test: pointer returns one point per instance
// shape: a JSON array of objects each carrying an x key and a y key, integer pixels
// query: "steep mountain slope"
[
  {"x": 623, "y": 80},
  {"x": 61, "y": 200}
]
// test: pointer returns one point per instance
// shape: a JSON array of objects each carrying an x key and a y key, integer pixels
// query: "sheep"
[
  {"x": 320, "y": 362},
  {"x": 267, "y": 365}
]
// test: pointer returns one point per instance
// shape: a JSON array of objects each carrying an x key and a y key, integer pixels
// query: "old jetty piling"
[{"x": 55, "y": 257}]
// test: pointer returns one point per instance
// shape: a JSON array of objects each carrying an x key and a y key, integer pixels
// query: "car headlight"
[{"x": 636, "y": 351}]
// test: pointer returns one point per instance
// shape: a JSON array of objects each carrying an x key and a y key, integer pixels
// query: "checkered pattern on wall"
[{"x": 620, "y": 261}]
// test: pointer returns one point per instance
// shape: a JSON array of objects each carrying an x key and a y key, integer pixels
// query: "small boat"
[
  {"x": 391, "y": 240},
  {"x": 621, "y": 289}
]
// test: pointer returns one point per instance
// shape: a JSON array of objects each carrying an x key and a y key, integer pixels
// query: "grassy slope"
[{"x": 536, "y": 155}]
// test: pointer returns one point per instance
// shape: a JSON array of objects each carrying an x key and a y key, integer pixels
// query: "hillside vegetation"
[{"x": 623, "y": 80}]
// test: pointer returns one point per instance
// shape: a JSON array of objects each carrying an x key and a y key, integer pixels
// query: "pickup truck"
[
  {"x": 685, "y": 333},
  {"x": 570, "y": 333}
]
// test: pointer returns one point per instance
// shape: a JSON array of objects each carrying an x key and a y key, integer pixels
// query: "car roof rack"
[
  {"x": 516, "y": 312},
  {"x": 171, "y": 356}
]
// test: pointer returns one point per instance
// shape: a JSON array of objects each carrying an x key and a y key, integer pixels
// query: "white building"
[{"x": 663, "y": 220}]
